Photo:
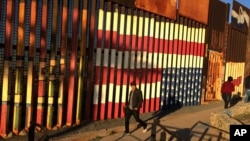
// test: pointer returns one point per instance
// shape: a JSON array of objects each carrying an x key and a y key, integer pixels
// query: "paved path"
[
  {"x": 192, "y": 123},
  {"x": 189, "y": 122}
]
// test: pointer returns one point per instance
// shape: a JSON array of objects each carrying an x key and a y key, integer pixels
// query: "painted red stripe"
[
  {"x": 123, "y": 75},
  {"x": 73, "y": 56},
  {"x": 171, "y": 46},
  {"x": 95, "y": 111},
  {"x": 102, "y": 111},
  {"x": 116, "y": 110},
  {"x": 39, "y": 117},
  {"x": 110, "y": 109},
  {"x": 4, "y": 119}
]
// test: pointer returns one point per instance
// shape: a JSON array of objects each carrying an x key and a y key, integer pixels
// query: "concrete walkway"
[{"x": 191, "y": 123}]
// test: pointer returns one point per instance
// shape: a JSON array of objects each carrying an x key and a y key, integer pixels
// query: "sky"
[{"x": 246, "y": 3}]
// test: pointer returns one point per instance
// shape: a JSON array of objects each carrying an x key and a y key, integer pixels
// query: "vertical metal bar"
[
  {"x": 82, "y": 56},
  {"x": 184, "y": 62},
  {"x": 193, "y": 62},
  {"x": 177, "y": 49},
  {"x": 121, "y": 81},
  {"x": 91, "y": 34},
  {"x": 51, "y": 47},
  {"x": 99, "y": 58},
  {"x": 19, "y": 70},
  {"x": 146, "y": 38},
  {"x": 160, "y": 62},
  {"x": 163, "y": 64},
  {"x": 42, "y": 58},
  {"x": 29, "y": 93},
  {"x": 113, "y": 61},
  {"x": 117, "y": 63},
  {"x": 154, "y": 65},
  {"x": 182, "y": 53},
  {"x": 128, "y": 47},
  {"x": 187, "y": 73},
  {"x": 171, "y": 57},
  {"x": 5, "y": 87},
  {"x": 140, "y": 52},
  {"x": 107, "y": 62},
  {"x": 73, "y": 62},
  {"x": 63, "y": 4}
]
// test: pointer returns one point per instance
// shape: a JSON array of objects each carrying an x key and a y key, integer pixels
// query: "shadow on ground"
[{"x": 199, "y": 131}]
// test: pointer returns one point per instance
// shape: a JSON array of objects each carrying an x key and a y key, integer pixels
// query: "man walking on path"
[
  {"x": 247, "y": 88},
  {"x": 133, "y": 107},
  {"x": 226, "y": 90}
]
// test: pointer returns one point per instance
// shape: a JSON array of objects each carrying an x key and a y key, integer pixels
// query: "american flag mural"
[
  {"x": 65, "y": 61},
  {"x": 164, "y": 57}
]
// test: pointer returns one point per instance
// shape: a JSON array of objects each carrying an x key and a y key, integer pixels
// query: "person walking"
[
  {"x": 247, "y": 88},
  {"x": 226, "y": 90},
  {"x": 132, "y": 107}
]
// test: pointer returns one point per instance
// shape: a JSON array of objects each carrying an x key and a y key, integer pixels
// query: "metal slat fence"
[{"x": 74, "y": 60}]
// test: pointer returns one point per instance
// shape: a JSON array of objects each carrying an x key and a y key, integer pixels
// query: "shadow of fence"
[{"x": 200, "y": 131}]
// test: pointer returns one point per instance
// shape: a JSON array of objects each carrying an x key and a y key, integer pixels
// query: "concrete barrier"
[{"x": 222, "y": 119}]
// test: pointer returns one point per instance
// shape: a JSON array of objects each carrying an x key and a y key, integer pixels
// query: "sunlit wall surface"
[{"x": 65, "y": 61}]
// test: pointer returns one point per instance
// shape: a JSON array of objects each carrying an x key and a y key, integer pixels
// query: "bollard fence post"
[
  {"x": 31, "y": 133},
  {"x": 163, "y": 136},
  {"x": 153, "y": 131}
]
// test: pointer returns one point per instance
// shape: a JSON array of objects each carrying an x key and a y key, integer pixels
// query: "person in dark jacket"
[
  {"x": 133, "y": 107},
  {"x": 226, "y": 90},
  {"x": 247, "y": 88}
]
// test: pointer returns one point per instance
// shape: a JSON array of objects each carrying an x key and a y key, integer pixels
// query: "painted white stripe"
[
  {"x": 146, "y": 26},
  {"x": 106, "y": 57},
  {"x": 180, "y": 32},
  {"x": 176, "y": 31},
  {"x": 144, "y": 59},
  {"x": 171, "y": 31},
  {"x": 147, "y": 91},
  {"x": 138, "y": 61},
  {"x": 100, "y": 22},
  {"x": 119, "y": 64},
  {"x": 157, "y": 28},
  {"x": 111, "y": 92},
  {"x": 115, "y": 22},
  {"x": 126, "y": 59},
  {"x": 174, "y": 60},
  {"x": 167, "y": 30},
  {"x": 160, "y": 57},
  {"x": 150, "y": 62},
  {"x": 128, "y": 24},
  {"x": 134, "y": 25},
  {"x": 96, "y": 95},
  {"x": 140, "y": 26},
  {"x": 122, "y": 23},
  {"x": 108, "y": 20},
  {"x": 124, "y": 94},
  {"x": 152, "y": 25},
  {"x": 132, "y": 60},
  {"x": 162, "y": 30},
  {"x": 99, "y": 54},
  {"x": 190, "y": 60},
  {"x": 113, "y": 58},
  {"x": 117, "y": 93},
  {"x": 153, "y": 90},
  {"x": 103, "y": 94},
  {"x": 155, "y": 60},
  {"x": 169, "y": 65}
]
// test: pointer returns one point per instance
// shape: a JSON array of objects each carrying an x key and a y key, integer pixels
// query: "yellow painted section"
[
  {"x": 40, "y": 99},
  {"x": 18, "y": 98},
  {"x": 29, "y": 83},
  {"x": 50, "y": 100},
  {"x": 5, "y": 81}
]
